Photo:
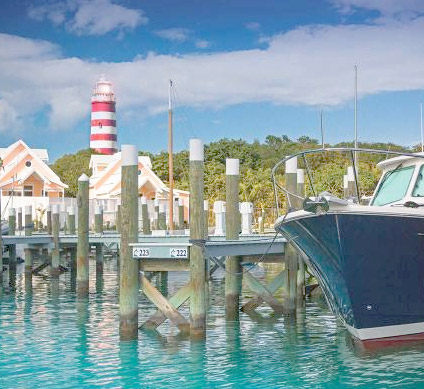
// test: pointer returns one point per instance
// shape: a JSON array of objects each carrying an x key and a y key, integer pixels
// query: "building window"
[
  {"x": 28, "y": 190},
  {"x": 28, "y": 163},
  {"x": 11, "y": 193}
]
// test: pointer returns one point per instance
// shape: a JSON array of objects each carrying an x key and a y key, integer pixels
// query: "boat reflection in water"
[{"x": 369, "y": 259}]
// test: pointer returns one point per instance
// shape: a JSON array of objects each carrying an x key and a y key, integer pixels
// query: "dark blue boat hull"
[{"x": 371, "y": 266}]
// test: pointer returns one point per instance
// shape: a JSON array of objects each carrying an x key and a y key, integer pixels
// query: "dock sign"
[
  {"x": 181, "y": 252},
  {"x": 141, "y": 252}
]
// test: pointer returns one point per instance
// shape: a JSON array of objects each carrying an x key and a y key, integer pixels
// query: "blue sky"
[{"x": 242, "y": 69}]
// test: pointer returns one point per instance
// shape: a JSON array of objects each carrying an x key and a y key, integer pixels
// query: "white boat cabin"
[{"x": 402, "y": 181}]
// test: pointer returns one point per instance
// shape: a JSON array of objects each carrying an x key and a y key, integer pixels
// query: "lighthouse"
[{"x": 103, "y": 138}]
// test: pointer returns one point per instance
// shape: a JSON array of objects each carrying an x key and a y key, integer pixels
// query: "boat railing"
[{"x": 302, "y": 154}]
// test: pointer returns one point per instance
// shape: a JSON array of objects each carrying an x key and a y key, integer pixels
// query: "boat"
[{"x": 368, "y": 259}]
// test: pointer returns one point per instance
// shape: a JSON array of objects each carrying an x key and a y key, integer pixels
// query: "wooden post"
[
  {"x": 73, "y": 259},
  {"x": 118, "y": 218},
  {"x": 83, "y": 244},
  {"x": 98, "y": 229},
  {"x": 71, "y": 220},
  {"x": 54, "y": 270},
  {"x": 261, "y": 224},
  {"x": 29, "y": 227},
  {"x": 206, "y": 216},
  {"x": 145, "y": 216},
  {"x": 128, "y": 285},
  {"x": 290, "y": 254},
  {"x": 351, "y": 189},
  {"x": 12, "y": 231},
  {"x": 162, "y": 217},
  {"x": 301, "y": 263},
  {"x": 28, "y": 261},
  {"x": 98, "y": 219},
  {"x": 197, "y": 232},
  {"x": 246, "y": 210},
  {"x": 156, "y": 214},
  {"x": 49, "y": 219},
  {"x": 301, "y": 184},
  {"x": 291, "y": 183},
  {"x": 345, "y": 187},
  {"x": 233, "y": 269},
  {"x": 181, "y": 213},
  {"x": 19, "y": 217}
]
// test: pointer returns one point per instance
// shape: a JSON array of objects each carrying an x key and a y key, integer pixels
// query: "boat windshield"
[
  {"x": 394, "y": 185},
  {"x": 419, "y": 184}
]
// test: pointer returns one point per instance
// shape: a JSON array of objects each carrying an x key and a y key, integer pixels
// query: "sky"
[{"x": 240, "y": 68}]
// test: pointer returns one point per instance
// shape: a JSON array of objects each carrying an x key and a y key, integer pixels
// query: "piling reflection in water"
[{"x": 45, "y": 322}]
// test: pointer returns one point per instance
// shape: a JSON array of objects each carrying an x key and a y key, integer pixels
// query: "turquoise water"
[{"x": 49, "y": 340}]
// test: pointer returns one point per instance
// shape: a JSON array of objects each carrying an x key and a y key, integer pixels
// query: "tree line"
[{"x": 256, "y": 161}]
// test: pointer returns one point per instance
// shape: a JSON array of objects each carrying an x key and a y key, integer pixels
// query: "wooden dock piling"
[
  {"x": 12, "y": 231},
  {"x": 98, "y": 219},
  {"x": 83, "y": 244},
  {"x": 291, "y": 255},
  {"x": 181, "y": 214},
  {"x": 301, "y": 263},
  {"x": 49, "y": 219},
  {"x": 197, "y": 232},
  {"x": 118, "y": 218},
  {"x": 162, "y": 217},
  {"x": 1, "y": 249},
  {"x": 128, "y": 282},
  {"x": 54, "y": 269},
  {"x": 29, "y": 226},
  {"x": 233, "y": 269},
  {"x": 28, "y": 260},
  {"x": 145, "y": 216},
  {"x": 19, "y": 217},
  {"x": 156, "y": 214},
  {"x": 206, "y": 216},
  {"x": 70, "y": 220},
  {"x": 351, "y": 189},
  {"x": 98, "y": 229}
]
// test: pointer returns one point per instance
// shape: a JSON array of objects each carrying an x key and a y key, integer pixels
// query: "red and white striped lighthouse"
[{"x": 103, "y": 138}]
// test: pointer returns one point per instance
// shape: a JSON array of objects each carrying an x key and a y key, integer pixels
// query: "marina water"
[{"x": 48, "y": 339}]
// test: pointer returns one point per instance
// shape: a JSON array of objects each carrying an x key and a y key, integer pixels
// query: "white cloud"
[
  {"x": 174, "y": 34},
  {"x": 15, "y": 47},
  {"x": 308, "y": 66},
  {"x": 387, "y": 8},
  {"x": 253, "y": 26},
  {"x": 89, "y": 17},
  {"x": 202, "y": 44},
  {"x": 9, "y": 120}
]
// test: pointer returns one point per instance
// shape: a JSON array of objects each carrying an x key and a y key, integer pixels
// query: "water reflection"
[{"x": 75, "y": 343}]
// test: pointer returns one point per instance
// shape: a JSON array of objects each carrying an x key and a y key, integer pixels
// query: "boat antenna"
[
  {"x": 421, "y": 126},
  {"x": 170, "y": 162},
  {"x": 322, "y": 130},
  {"x": 356, "y": 113}
]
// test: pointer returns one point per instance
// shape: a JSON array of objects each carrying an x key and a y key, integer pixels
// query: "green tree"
[{"x": 70, "y": 167}]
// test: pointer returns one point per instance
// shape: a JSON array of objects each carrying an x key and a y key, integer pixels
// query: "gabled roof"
[
  {"x": 101, "y": 159},
  {"x": 12, "y": 162},
  {"x": 41, "y": 153},
  {"x": 108, "y": 181}
]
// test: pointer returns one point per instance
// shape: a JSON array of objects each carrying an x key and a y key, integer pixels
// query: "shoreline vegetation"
[{"x": 256, "y": 161}]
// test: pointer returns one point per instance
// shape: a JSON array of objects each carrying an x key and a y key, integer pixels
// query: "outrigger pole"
[{"x": 170, "y": 163}]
